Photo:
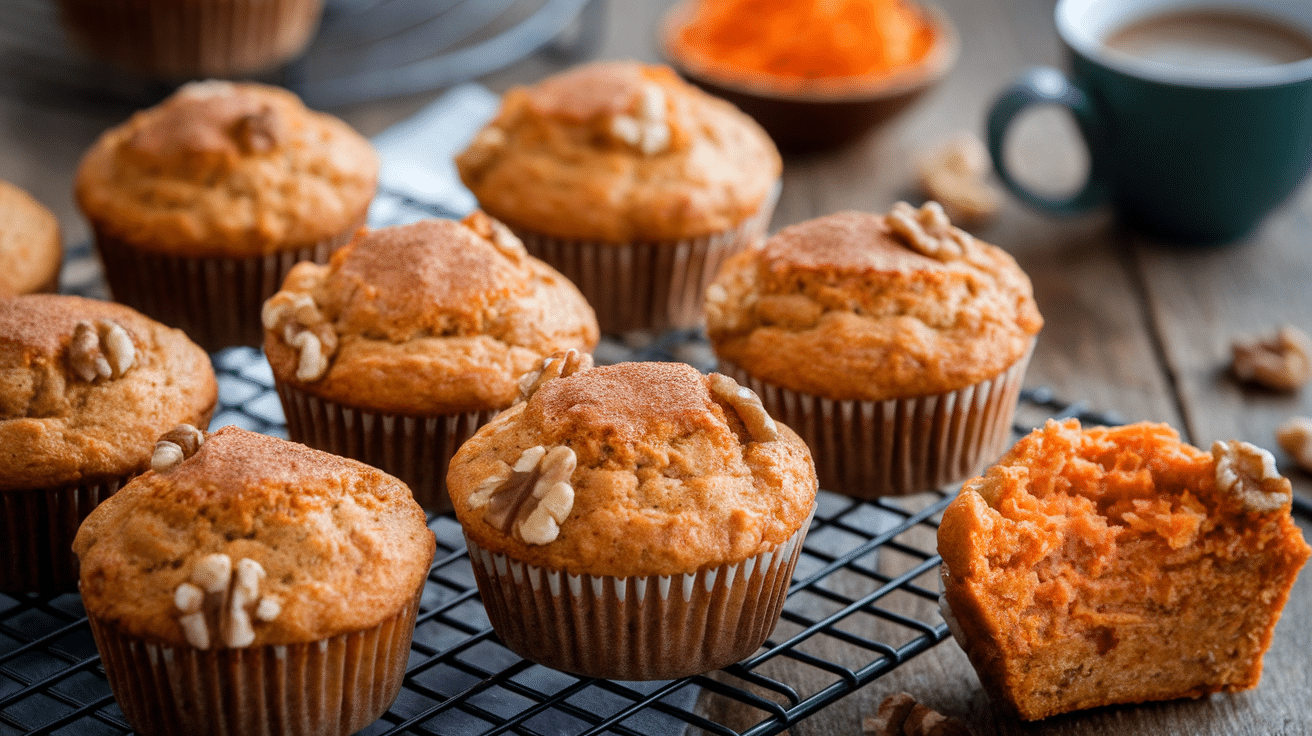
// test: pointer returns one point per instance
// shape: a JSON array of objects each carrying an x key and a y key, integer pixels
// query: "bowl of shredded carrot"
[{"x": 816, "y": 74}]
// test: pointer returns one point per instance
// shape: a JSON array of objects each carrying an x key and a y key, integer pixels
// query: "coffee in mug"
[
  {"x": 1211, "y": 39},
  {"x": 1197, "y": 113}
]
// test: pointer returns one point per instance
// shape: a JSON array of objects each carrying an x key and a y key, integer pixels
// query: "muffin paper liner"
[
  {"x": 330, "y": 687},
  {"x": 216, "y": 301},
  {"x": 416, "y": 449},
  {"x": 648, "y": 285},
  {"x": 37, "y": 527},
  {"x": 869, "y": 449},
  {"x": 636, "y": 628},
  {"x": 197, "y": 38}
]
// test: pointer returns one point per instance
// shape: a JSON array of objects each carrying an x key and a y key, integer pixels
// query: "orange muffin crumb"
[{"x": 1118, "y": 565}]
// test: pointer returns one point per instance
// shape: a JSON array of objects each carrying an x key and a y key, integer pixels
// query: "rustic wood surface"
[{"x": 1134, "y": 327}]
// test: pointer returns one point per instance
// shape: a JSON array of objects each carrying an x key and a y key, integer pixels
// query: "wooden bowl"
[{"x": 806, "y": 116}]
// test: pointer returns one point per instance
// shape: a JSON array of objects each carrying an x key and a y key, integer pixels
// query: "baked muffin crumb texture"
[{"x": 1118, "y": 565}]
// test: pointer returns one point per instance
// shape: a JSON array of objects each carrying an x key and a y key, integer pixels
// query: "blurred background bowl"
[{"x": 812, "y": 115}]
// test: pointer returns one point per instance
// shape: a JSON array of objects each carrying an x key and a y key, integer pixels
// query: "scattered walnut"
[
  {"x": 901, "y": 715},
  {"x": 531, "y": 499},
  {"x": 647, "y": 129},
  {"x": 1249, "y": 472},
  {"x": 176, "y": 445},
  {"x": 748, "y": 405},
  {"x": 558, "y": 365},
  {"x": 1281, "y": 361},
  {"x": 1295, "y": 438},
  {"x": 928, "y": 231},
  {"x": 259, "y": 132},
  {"x": 225, "y": 595},
  {"x": 954, "y": 174},
  {"x": 100, "y": 350},
  {"x": 296, "y": 318}
]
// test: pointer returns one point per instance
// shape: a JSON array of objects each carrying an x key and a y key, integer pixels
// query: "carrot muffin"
[
  {"x": 250, "y": 585},
  {"x": 31, "y": 251},
  {"x": 412, "y": 338},
  {"x": 172, "y": 39},
  {"x": 85, "y": 389},
  {"x": 895, "y": 343},
  {"x": 645, "y": 516},
  {"x": 633, "y": 183},
  {"x": 1118, "y": 565},
  {"x": 201, "y": 204}
]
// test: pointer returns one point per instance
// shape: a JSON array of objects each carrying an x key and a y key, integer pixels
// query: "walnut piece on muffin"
[
  {"x": 619, "y": 151},
  {"x": 1098, "y": 566},
  {"x": 900, "y": 305}
]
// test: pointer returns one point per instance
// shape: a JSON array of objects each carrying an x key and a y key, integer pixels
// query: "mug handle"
[{"x": 1047, "y": 86}]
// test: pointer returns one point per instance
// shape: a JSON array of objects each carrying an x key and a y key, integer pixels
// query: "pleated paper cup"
[
  {"x": 37, "y": 527},
  {"x": 330, "y": 687},
  {"x": 216, "y": 301},
  {"x": 636, "y": 628},
  {"x": 416, "y": 449},
  {"x": 869, "y": 449},
  {"x": 195, "y": 38},
  {"x": 648, "y": 285}
]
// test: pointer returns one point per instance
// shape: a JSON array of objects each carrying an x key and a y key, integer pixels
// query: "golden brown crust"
[
  {"x": 31, "y": 251},
  {"x": 223, "y": 169},
  {"x": 668, "y": 480},
  {"x": 620, "y": 152},
  {"x": 1116, "y": 565},
  {"x": 890, "y": 321},
  {"x": 435, "y": 317},
  {"x": 56, "y": 428},
  {"x": 343, "y": 545}
]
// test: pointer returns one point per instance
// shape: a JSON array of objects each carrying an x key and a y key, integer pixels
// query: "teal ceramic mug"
[{"x": 1192, "y": 138}]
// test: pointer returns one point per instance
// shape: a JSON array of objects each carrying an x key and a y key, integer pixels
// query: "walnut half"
[
  {"x": 1281, "y": 361},
  {"x": 1249, "y": 472},
  {"x": 900, "y": 715},
  {"x": 296, "y": 318},
  {"x": 532, "y": 498},
  {"x": 647, "y": 128},
  {"x": 102, "y": 349},
  {"x": 176, "y": 445},
  {"x": 221, "y": 596},
  {"x": 558, "y": 365},
  {"x": 1295, "y": 438},
  {"x": 748, "y": 406},
  {"x": 928, "y": 231}
]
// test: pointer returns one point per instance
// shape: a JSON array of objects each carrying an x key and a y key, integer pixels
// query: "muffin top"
[
  {"x": 434, "y": 317},
  {"x": 258, "y": 540},
  {"x": 632, "y": 469},
  {"x": 618, "y": 152},
  {"x": 227, "y": 169},
  {"x": 900, "y": 305},
  {"x": 30, "y": 248},
  {"x": 87, "y": 386}
]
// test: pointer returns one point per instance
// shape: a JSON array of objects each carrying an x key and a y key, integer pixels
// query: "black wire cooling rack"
[{"x": 863, "y": 601}]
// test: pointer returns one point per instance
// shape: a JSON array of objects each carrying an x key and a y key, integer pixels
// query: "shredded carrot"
[{"x": 807, "y": 39}]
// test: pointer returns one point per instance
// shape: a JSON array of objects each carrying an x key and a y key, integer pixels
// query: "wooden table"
[{"x": 1134, "y": 327}]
